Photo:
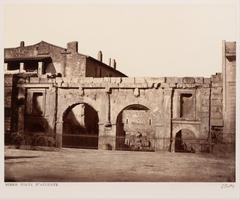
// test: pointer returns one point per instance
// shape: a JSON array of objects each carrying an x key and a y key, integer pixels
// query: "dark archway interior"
[
  {"x": 80, "y": 127},
  {"x": 179, "y": 142},
  {"x": 120, "y": 133},
  {"x": 184, "y": 140}
]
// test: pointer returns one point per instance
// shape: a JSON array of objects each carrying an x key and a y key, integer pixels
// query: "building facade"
[{"x": 73, "y": 100}]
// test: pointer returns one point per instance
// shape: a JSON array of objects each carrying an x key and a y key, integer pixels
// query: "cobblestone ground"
[{"x": 79, "y": 165}]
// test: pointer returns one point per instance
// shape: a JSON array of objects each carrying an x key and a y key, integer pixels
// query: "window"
[
  {"x": 13, "y": 66},
  {"x": 31, "y": 66},
  {"x": 186, "y": 106},
  {"x": 37, "y": 104}
]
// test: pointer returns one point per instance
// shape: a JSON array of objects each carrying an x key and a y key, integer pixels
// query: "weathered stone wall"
[
  {"x": 75, "y": 65},
  {"x": 8, "y": 98},
  {"x": 216, "y": 115},
  {"x": 139, "y": 129},
  {"x": 109, "y": 97},
  {"x": 11, "y": 104},
  {"x": 216, "y": 100}
]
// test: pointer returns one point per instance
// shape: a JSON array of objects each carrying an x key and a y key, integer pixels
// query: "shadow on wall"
[
  {"x": 37, "y": 130},
  {"x": 80, "y": 127}
]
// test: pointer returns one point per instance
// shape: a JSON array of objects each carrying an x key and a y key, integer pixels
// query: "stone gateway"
[{"x": 58, "y": 97}]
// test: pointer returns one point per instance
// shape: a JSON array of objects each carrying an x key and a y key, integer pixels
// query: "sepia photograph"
[{"x": 120, "y": 92}]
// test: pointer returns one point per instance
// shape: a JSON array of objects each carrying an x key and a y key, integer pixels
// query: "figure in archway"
[{"x": 184, "y": 141}]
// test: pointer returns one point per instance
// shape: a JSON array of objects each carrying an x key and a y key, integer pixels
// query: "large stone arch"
[
  {"x": 74, "y": 101},
  {"x": 118, "y": 109},
  {"x": 80, "y": 126},
  {"x": 128, "y": 133}
]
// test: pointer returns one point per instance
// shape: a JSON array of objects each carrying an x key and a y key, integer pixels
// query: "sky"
[{"x": 146, "y": 39}]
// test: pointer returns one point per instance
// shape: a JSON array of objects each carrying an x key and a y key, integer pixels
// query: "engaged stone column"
[
  {"x": 168, "y": 97},
  {"x": 21, "y": 109},
  {"x": 108, "y": 120},
  {"x": 40, "y": 68},
  {"x": 172, "y": 149},
  {"x": 107, "y": 130},
  {"x": 59, "y": 128}
]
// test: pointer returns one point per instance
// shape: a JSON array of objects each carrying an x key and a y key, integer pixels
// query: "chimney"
[
  {"x": 114, "y": 64},
  {"x": 100, "y": 56},
  {"x": 72, "y": 47},
  {"x": 109, "y": 62},
  {"x": 22, "y": 44}
]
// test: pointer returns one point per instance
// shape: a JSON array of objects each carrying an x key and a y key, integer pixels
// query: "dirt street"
[{"x": 79, "y": 165}]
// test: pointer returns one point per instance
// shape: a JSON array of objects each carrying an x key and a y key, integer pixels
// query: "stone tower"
[{"x": 229, "y": 91}]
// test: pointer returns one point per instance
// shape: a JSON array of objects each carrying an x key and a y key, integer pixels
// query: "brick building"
[{"x": 56, "y": 94}]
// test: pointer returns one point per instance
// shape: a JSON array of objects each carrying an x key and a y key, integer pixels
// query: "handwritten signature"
[{"x": 227, "y": 186}]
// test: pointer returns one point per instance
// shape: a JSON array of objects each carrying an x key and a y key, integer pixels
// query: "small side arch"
[
  {"x": 192, "y": 128},
  {"x": 185, "y": 141}
]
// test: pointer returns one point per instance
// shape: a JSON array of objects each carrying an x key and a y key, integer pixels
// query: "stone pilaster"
[
  {"x": 108, "y": 107},
  {"x": 168, "y": 97}
]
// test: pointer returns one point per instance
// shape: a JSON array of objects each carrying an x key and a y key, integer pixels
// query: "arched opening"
[
  {"x": 133, "y": 130},
  {"x": 80, "y": 127},
  {"x": 185, "y": 141}
]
